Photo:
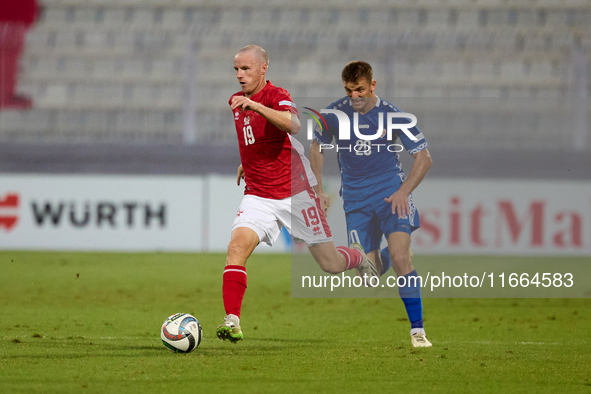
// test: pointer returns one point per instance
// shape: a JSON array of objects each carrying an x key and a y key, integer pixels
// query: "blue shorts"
[{"x": 367, "y": 221}]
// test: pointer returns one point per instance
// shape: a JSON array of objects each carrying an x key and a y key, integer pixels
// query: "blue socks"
[
  {"x": 410, "y": 293},
  {"x": 411, "y": 296}
]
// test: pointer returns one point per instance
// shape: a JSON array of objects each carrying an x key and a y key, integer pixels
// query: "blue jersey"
[{"x": 368, "y": 168}]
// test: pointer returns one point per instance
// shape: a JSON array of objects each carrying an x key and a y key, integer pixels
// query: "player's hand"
[
  {"x": 324, "y": 201},
  {"x": 244, "y": 103},
  {"x": 399, "y": 201},
  {"x": 239, "y": 175}
]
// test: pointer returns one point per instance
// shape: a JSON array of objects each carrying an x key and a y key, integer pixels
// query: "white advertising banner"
[
  {"x": 90, "y": 212},
  {"x": 170, "y": 213},
  {"x": 511, "y": 217}
]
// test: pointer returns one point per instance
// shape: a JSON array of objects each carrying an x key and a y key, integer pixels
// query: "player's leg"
[
  {"x": 335, "y": 260},
  {"x": 397, "y": 231},
  {"x": 253, "y": 224},
  {"x": 386, "y": 261},
  {"x": 363, "y": 231},
  {"x": 308, "y": 224},
  {"x": 409, "y": 285}
]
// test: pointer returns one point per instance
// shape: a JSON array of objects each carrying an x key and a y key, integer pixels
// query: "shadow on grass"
[{"x": 80, "y": 348}]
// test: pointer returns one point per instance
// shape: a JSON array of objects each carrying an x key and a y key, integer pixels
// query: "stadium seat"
[
  {"x": 319, "y": 17},
  {"x": 407, "y": 17},
  {"x": 64, "y": 39},
  {"x": 10, "y": 121},
  {"x": 377, "y": 19},
  {"x": 467, "y": 18},
  {"x": 106, "y": 68},
  {"x": 133, "y": 69},
  {"x": 175, "y": 17},
  {"x": 309, "y": 70},
  {"x": 141, "y": 18},
  {"x": 556, "y": 18},
  {"x": 534, "y": 43},
  {"x": 483, "y": 71},
  {"x": 72, "y": 67},
  {"x": 114, "y": 17},
  {"x": 170, "y": 96},
  {"x": 541, "y": 71},
  {"x": 129, "y": 121},
  {"x": 453, "y": 71},
  {"x": 232, "y": 17},
  {"x": 438, "y": 18},
  {"x": 53, "y": 17},
  {"x": 290, "y": 19},
  {"x": 512, "y": 71},
  {"x": 527, "y": 18},
  {"x": 497, "y": 17},
  {"x": 167, "y": 69},
  {"x": 86, "y": 16}
]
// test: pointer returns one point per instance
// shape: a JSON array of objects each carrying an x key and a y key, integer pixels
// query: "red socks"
[
  {"x": 234, "y": 282},
  {"x": 352, "y": 256},
  {"x": 233, "y": 288}
]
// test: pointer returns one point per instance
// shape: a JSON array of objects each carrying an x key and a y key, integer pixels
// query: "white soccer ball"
[{"x": 181, "y": 333}]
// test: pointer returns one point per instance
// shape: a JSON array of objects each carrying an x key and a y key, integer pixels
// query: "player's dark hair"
[{"x": 356, "y": 70}]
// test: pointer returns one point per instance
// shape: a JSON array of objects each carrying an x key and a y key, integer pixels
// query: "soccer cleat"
[
  {"x": 367, "y": 267},
  {"x": 419, "y": 339},
  {"x": 230, "y": 329}
]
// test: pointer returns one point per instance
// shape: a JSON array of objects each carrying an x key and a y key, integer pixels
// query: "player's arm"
[
  {"x": 284, "y": 120},
  {"x": 421, "y": 165},
  {"x": 239, "y": 175},
  {"x": 316, "y": 163}
]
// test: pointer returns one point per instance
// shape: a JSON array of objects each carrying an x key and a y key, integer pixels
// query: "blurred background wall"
[{"x": 142, "y": 86}]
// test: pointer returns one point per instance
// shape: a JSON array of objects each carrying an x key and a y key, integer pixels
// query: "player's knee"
[
  {"x": 400, "y": 257},
  {"x": 236, "y": 252}
]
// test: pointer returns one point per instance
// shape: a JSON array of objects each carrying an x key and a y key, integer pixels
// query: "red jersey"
[
  {"x": 23, "y": 11},
  {"x": 273, "y": 162}
]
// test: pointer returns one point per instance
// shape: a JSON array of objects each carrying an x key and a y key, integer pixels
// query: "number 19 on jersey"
[{"x": 248, "y": 135}]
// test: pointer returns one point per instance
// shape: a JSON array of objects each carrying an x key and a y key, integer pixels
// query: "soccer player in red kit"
[
  {"x": 278, "y": 182},
  {"x": 16, "y": 17}
]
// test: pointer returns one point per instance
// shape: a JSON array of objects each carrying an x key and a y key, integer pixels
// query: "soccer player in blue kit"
[{"x": 377, "y": 197}]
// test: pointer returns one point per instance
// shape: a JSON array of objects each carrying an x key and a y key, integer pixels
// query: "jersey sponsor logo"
[
  {"x": 364, "y": 126},
  {"x": 418, "y": 148}
]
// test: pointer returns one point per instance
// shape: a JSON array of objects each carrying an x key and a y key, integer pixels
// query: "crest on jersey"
[
  {"x": 236, "y": 115},
  {"x": 247, "y": 120}
]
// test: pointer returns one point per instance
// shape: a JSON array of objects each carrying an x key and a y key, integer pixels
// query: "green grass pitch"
[{"x": 84, "y": 322}]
